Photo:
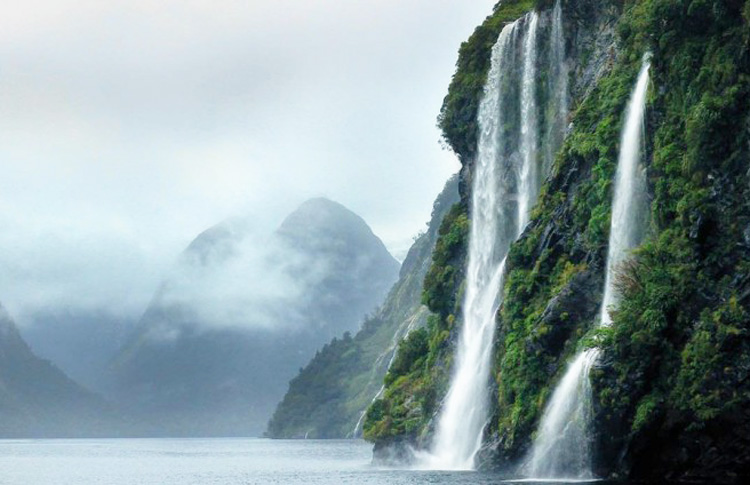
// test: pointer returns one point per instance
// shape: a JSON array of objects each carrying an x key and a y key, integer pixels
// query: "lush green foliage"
[
  {"x": 677, "y": 358},
  {"x": 534, "y": 345},
  {"x": 441, "y": 281},
  {"x": 319, "y": 382},
  {"x": 419, "y": 372},
  {"x": 411, "y": 355},
  {"x": 681, "y": 344},
  {"x": 458, "y": 115}
]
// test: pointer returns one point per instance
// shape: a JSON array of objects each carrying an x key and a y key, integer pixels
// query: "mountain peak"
[{"x": 323, "y": 220}]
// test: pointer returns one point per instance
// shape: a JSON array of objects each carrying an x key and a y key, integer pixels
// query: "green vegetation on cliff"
[
  {"x": 680, "y": 349},
  {"x": 418, "y": 374},
  {"x": 673, "y": 386},
  {"x": 458, "y": 115},
  {"x": 556, "y": 270}
]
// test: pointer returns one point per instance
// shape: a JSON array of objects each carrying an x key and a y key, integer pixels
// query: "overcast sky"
[{"x": 128, "y": 127}]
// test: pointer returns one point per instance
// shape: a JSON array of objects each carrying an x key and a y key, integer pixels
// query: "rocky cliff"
[{"x": 672, "y": 388}]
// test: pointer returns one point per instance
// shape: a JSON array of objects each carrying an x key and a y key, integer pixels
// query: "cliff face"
[
  {"x": 328, "y": 397},
  {"x": 677, "y": 362},
  {"x": 672, "y": 387}
]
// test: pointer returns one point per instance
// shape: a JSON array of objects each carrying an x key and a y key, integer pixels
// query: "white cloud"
[{"x": 128, "y": 127}]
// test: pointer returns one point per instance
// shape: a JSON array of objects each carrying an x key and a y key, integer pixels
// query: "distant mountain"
[
  {"x": 328, "y": 396},
  {"x": 240, "y": 314},
  {"x": 38, "y": 400},
  {"x": 82, "y": 343}
]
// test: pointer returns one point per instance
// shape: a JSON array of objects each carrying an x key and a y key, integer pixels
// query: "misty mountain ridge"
[
  {"x": 38, "y": 400},
  {"x": 328, "y": 396},
  {"x": 81, "y": 342},
  {"x": 241, "y": 312}
]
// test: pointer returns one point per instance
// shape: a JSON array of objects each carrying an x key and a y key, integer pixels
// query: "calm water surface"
[{"x": 207, "y": 461}]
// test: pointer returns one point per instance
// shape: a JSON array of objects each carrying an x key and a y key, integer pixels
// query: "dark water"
[{"x": 208, "y": 461}]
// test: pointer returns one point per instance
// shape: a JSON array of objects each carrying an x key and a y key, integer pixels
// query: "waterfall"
[
  {"x": 629, "y": 204},
  {"x": 389, "y": 353},
  {"x": 562, "y": 448},
  {"x": 529, "y": 171},
  {"x": 508, "y": 173},
  {"x": 459, "y": 430},
  {"x": 501, "y": 199},
  {"x": 558, "y": 87}
]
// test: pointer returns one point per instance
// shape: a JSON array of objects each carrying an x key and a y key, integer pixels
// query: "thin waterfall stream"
[{"x": 562, "y": 448}]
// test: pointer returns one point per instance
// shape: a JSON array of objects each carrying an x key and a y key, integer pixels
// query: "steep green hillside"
[
  {"x": 328, "y": 397},
  {"x": 673, "y": 388}
]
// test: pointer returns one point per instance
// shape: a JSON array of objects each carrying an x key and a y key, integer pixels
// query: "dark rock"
[{"x": 577, "y": 302}]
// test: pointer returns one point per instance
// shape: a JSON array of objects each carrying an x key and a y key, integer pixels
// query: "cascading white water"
[
  {"x": 558, "y": 87},
  {"x": 562, "y": 448},
  {"x": 498, "y": 188},
  {"x": 506, "y": 183},
  {"x": 459, "y": 430},
  {"x": 529, "y": 170},
  {"x": 629, "y": 204}
]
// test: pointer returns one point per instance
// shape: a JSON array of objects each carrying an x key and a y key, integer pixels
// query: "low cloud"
[
  {"x": 244, "y": 282},
  {"x": 128, "y": 127}
]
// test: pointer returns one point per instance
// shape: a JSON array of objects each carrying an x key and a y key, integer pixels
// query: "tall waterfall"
[
  {"x": 506, "y": 182},
  {"x": 558, "y": 87},
  {"x": 464, "y": 414},
  {"x": 562, "y": 448},
  {"x": 529, "y": 169}
]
